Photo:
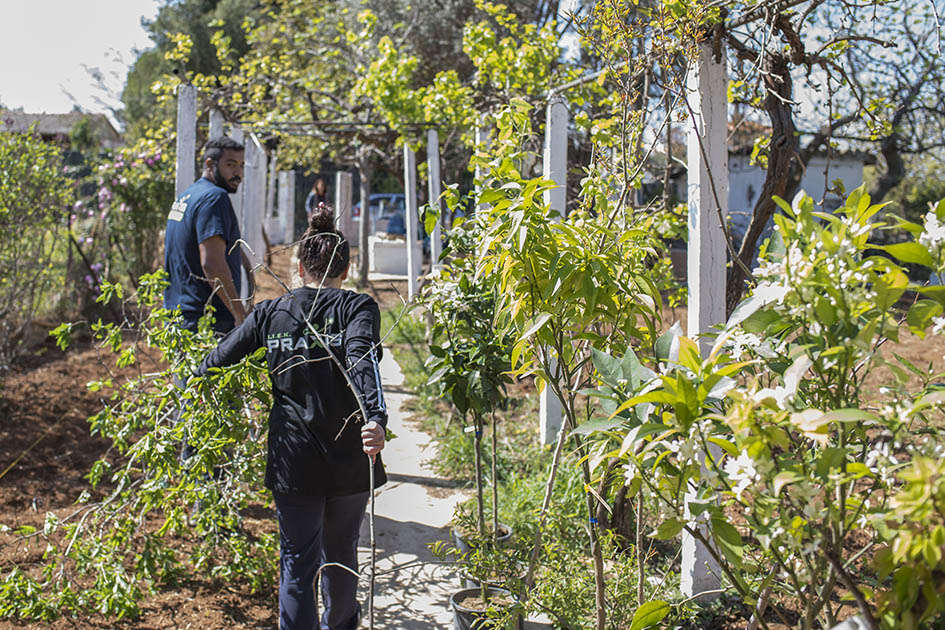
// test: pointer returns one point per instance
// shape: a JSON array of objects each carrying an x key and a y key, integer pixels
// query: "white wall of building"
[{"x": 746, "y": 180}]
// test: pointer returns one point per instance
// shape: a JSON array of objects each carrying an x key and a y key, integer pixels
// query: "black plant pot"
[
  {"x": 469, "y": 619},
  {"x": 465, "y": 546},
  {"x": 466, "y": 580}
]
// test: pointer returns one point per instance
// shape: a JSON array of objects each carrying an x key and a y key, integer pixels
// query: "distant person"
[
  {"x": 319, "y": 195},
  {"x": 316, "y": 466},
  {"x": 201, "y": 253}
]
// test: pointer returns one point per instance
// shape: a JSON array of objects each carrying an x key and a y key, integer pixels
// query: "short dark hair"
[{"x": 214, "y": 148}]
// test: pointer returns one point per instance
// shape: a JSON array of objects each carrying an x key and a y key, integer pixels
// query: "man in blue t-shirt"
[{"x": 201, "y": 254}]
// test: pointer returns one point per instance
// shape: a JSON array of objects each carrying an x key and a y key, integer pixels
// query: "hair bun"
[{"x": 322, "y": 219}]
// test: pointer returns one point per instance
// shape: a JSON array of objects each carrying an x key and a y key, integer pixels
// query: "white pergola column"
[
  {"x": 216, "y": 124},
  {"x": 254, "y": 199},
  {"x": 186, "y": 138},
  {"x": 410, "y": 192},
  {"x": 237, "y": 198},
  {"x": 433, "y": 190},
  {"x": 707, "y": 159},
  {"x": 287, "y": 205},
  {"x": 482, "y": 144},
  {"x": 344, "y": 193},
  {"x": 273, "y": 220},
  {"x": 554, "y": 167}
]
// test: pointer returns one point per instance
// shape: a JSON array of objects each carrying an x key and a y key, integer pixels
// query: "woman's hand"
[{"x": 372, "y": 438}]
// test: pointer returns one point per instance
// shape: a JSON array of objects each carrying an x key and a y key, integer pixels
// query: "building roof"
[
  {"x": 743, "y": 132},
  {"x": 50, "y": 125}
]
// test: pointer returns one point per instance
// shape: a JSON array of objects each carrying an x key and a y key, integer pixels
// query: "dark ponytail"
[{"x": 323, "y": 250}]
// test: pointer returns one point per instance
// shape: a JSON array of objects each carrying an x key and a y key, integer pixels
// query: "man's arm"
[{"x": 217, "y": 272}]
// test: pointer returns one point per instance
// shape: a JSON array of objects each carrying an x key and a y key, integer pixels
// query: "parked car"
[
  {"x": 389, "y": 214},
  {"x": 382, "y": 208}
]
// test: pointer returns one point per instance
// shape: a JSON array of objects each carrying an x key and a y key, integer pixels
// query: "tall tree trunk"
[
  {"x": 891, "y": 147},
  {"x": 782, "y": 177},
  {"x": 895, "y": 169}
]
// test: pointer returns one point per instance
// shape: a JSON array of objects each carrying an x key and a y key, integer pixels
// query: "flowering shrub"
[
  {"x": 118, "y": 227},
  {"x": 136, "y": 192},
  {"x": 768, "y": 451}
]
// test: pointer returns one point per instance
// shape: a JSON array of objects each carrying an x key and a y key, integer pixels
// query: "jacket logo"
[{"x": 286, "y": 342}]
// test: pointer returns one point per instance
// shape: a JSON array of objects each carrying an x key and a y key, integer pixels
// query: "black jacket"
[{"x": 314, "y": 425}]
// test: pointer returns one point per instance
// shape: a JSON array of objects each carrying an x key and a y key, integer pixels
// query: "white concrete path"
[{"x": 411, "y": 512}]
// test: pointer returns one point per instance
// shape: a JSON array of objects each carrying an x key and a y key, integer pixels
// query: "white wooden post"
[
  {"x": 287, "y": 205},
  {"x": 433, "y": 191},
  {"x": 410, "y": 192},
  {"x": 237, "y": 198},
  {"x": 554, "y": 167},
  {"x": 344, "y": 193},
  {"x": 254, "y": 199},
  {"x": 216, "y": 124},
  {"x": 273, "y": 221},
  {"x": 555, "y": 158},
  {"x": 707, "y": 159},
  {"x": 186, "y": 138},
  {"x": 482, "y": 144}
]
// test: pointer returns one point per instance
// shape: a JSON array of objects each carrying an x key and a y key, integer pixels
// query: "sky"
[{"x": 48, "y": 46}]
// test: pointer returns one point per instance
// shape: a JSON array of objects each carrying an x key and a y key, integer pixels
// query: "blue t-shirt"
[{"x": 202, "y": 211}]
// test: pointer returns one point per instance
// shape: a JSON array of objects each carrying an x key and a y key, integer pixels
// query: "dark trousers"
[{"x": 312, "y": 532}]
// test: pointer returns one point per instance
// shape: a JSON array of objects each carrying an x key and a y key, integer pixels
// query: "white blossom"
[
  {"x": 741, "y": 473},
  {"x": 938, "y": 325},
  {"x": 933, "y": 236}
]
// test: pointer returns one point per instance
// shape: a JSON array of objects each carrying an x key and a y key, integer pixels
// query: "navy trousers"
[{"x": 312, "y": 532}]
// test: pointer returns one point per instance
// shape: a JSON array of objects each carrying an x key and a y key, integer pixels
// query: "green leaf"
[
  {"x": 832, "y": 458},
  {"x": 665, "y": 344},
  {"x": 668, "y": 530},
  {"x": 599, "y": 424},
  {"x": 784, "y": 478},
  {"x": 649, "y": 614},
  {"x": 921, "y": 313},
  {"x": 910, "y": 252},
  {"x": 689, "y": 356},
  {"x": 636, "y": 434},
  {"x": 539, "y": 322},
  {"x": 849, "y": 415},
  {"x": 431, "y": 214},
  {"x": 728, "y": 539},
  {"x": 634, "y": 371},
  {"x": 607, "y": 366}
]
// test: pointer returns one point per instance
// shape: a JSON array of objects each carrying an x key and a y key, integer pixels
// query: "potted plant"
[{"x": 469, "y": 361}]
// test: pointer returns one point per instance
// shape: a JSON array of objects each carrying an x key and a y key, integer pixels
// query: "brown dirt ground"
[{"x": 46, "y": 449}]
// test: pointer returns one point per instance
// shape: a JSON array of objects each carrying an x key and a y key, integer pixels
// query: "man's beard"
[{"x": 229, "y": 186}]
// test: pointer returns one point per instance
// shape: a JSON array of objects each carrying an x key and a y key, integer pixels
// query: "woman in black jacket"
[{"x": 316, "y": 465}]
